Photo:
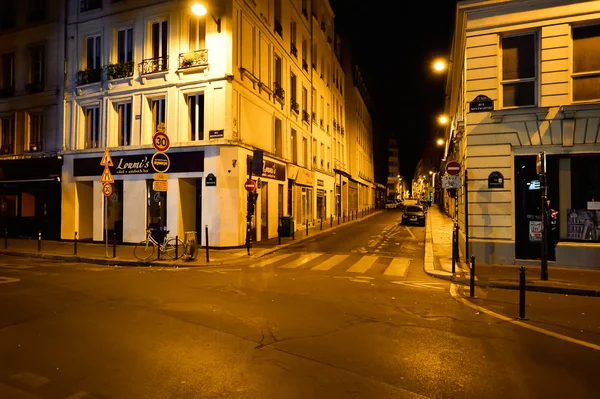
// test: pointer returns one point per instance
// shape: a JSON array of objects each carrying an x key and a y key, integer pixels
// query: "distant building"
[
  {"x": 395, "y": 182},
  {"x": 521, "y": 82}
]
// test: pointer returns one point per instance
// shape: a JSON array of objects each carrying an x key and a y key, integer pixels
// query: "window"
[
  {"x": 197, "y": 34},
  {"x": 293, "y": 99},
  {"x": 124, "y": 45},
  {"x": 157, "y": 106},
  {"x": 304, "y": 152},
  {"x": 88, "y": 5},
  {"x": 519, "y": 71},
  {"x": 92, "y": 127},
  {"x": 8, "y": 75},
  {"x": 36, "y": 132},
  {"x": 304, "y": 99},
  {"x": 293, "y": 48},
  {"x": 93, "y": 53},
  {"x": 314, "y": 56},
  {"x": 314, "y": 151},
  {"x": 586, "y": 64},
  {"x": 278, "y": 26},
  {"x": 294, "y": 146},
  {"x": 7, "y": 131},
  {"x": 156, "y": 205},
  {"x": 304, "y": 54},
  {"x": 159, "y": 41},
  {"x": 124, "y": 124},
  {"x": 196, "y": 116},
  {"x": 36, "y": 69},
  {"x": 322, "y": 153},
  {"x": 278, "y": 138},
  {"x": 277, "y": 71}
]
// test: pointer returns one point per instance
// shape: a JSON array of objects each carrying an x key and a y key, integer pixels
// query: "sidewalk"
[
  {"x": 438, "y": 263},
  {"x": 122, "y": 255}
]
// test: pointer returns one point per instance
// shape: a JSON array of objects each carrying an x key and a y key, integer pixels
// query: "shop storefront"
[
  {"x": 302, "y": 194},
  {"x": 271, "y": 199},
  {"x": 30, "y": 197}
]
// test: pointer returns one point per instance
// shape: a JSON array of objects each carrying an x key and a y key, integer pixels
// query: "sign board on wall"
[
  {"x": 180, "y": 162},
  {"x": 450, "y": 181},
  {"x": 270, "y": 170},
  {"x": 495, "y": 180},
  {"x": 481, "y": 103},
  {"x": 211, "y": 180}
]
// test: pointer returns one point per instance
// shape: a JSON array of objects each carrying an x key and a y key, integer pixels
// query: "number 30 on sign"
[{"x": 161, "y": 142}]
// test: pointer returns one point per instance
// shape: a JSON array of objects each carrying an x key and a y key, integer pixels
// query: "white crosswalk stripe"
[
  {"x": 331, "y": 262},
  {"x": 29, "y": 381},
  {"x": 304, "y": 259},
  {"x": 398, "y": 267},
  {"x": 8, "y": 392},
  {"x": 27, "y": 378},
  {"x": 363, "y": 264},
  {"x": 270, "y": 261}
]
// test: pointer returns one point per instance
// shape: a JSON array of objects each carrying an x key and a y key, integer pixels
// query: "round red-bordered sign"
[
  {"x": 107, "y": 189},
  {"x": 453, "y": 168},
  {"x": 161, "y": 141},
  {"x": 250, "y": 185}
]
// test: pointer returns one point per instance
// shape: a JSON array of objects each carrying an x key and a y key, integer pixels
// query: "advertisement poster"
[
  {"x": 583, "y": 225},
  {"x": 535, "y": 230}
]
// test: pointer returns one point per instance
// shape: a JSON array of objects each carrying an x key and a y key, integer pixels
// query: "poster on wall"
[
  {"x": 535, "y": 230},
  {"x": 583, "y": 225}
]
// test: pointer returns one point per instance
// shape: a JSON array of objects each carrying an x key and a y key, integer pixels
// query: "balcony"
[
  {"x": 305, "y": 116},
  {"x": 119, "y": 71},
  {"x": 89, "y": 5},
  {"x": 7, "y": 92},
  {"x": 305, "y": 65},
  {"x": 278, "y": 28},
  {"x": 34, "y": 87},
  {"x": 153, "y": 65},
  {"x": 339, "y": 165},
  {"x": 305, "y": 12},
  {"x": 314, "y": 117},
  {"x": 6, "y": 149},
  {"x": 293, "y": 50},
  {"x": 193, "y": 59},
  {"x": 323, "y": 26},
  {"x": 36, "y": 146},
  {"x": 88, "y": 76},
  {"x": 279, "y": 93},
  {"x": 295, "y": 107},
  {"x": 342, "y": 131}
]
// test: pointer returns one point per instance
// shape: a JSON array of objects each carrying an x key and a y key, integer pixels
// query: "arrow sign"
[
  {"x": 106, "y": 176},
  {"x": 106, "y": 159}
]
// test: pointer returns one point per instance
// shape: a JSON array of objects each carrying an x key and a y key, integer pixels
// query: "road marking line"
[
  {"x": 304, "y": 259},
  {"x": 6, "y": 280},
  {"x": 331, "y": 262},
  {"x": 458, "y": 297},
  {"x": 398, "y": 267},
  {"x": 411, "y": 233},
  {"x": 81, "y": 395},
  {"x": 418, "y": 285},
  {"x": 13, "y": 393},
  {"x": 27, "y": 378},
  {"x": 270, "y": 261},
  {"x": 363, "y": 264}
]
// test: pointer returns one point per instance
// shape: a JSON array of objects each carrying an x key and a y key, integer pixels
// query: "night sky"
[{"x": 394, "y": 45}]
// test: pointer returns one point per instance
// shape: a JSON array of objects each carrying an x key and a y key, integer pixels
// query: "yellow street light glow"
[
  {"x": 439, "y": 65},
  {"x": 199, "y": 9},
  {"x": 440, "y": 142},
  {"x": 443, "y": 119}
]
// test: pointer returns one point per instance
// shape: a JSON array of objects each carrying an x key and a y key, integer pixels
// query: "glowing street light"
[
  {"x": 199, "y": 9},
  {"x": 439, "y": 65},
  {"x": 440, "y": 142},
  {"x": 443, "y": 119}
]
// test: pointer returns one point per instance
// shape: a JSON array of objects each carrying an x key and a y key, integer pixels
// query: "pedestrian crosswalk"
[
  {"x": 353, "y": 263},
  {"x": 28, "y": 385}
]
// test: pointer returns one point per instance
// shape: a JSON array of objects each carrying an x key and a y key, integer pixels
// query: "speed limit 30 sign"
[{"x": 161, "y": 141}]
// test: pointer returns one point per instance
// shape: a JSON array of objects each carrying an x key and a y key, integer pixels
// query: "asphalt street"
[{"x": 349, "y": 314}]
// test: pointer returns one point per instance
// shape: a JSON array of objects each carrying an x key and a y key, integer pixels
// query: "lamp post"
[{"x": 199, "y": 10}]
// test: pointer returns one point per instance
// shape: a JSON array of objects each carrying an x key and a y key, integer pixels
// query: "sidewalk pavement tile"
[{"x": 439, "y": 244}]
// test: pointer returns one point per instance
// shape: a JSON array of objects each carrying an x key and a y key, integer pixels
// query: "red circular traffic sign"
[
  {"x": 453, "y": 168},
  {"x": 161, "y": 141},
  {"x": 250, "y": 185},
  {"x": 106, "y": 189}
]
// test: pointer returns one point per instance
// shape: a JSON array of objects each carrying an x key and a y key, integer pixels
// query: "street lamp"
[
  {"x": 440, "y": 142},
  {"x": 443, "y": 119},
  {"x": 199, "y": 10},
  {"x": 440, "y": 65}
]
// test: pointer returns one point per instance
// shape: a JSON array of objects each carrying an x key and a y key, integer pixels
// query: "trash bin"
[
  {"x": 286, "y": 224},
  {"x": 190, "y": 245}
]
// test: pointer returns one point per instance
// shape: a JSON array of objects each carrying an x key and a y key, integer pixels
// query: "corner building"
[
  {"x": 248, "y": 75},
  {"x": 534, "y": 64}
]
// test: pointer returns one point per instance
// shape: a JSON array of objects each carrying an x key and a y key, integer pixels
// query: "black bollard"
[
  {"x": 307, "y": 227},
  {"x": 338, "y": 219},
  {"x": 321, "y": 223},
  {"x": 330, "y": 221},
  {"x": 75, "y": 244},
  {"x": 5, "y": 238},
  {"x": 472, "y": 282},
  {"x": 39, "y": 240},
  {"x": 522, "y": 287},
  {"x": 344, "y": 217},
  {"x": 114, "y": 240},
  {"x": 206, "y": 233},
  {"x": 176, "y": 247},
  {"x": 279, "y": 234},
  {"x": 293, "y": 230}
]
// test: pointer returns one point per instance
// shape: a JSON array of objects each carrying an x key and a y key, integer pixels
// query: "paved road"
[{"x": 75, "y": 331}]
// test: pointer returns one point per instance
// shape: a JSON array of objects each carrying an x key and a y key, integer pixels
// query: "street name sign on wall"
[{"x": 481, "y": 103}]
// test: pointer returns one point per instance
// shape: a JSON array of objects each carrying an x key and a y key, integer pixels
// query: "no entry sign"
[
  {"x": 453, "y": 168},
  {"x": 250, "y": 185}
]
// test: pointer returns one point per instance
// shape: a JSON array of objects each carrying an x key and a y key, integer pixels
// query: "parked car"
[
  {"x": 390, "y": 204},
  {"x": 414, "y": 214}
]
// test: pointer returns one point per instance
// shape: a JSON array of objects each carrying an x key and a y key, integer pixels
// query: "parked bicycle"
[{"x": 145, "y": 249}]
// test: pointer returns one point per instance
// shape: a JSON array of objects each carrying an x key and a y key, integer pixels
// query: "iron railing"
[
  {"x": 152, "y": 65},
  {"x": 119, "y": 71},
  {"x": 88, "y": 76},
  {"x": 191, "y": 59}
]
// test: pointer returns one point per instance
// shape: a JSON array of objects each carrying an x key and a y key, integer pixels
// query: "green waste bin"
[{"x": 286, "y": 225}]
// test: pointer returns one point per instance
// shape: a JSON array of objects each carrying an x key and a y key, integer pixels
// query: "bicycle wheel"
[
  {"x": 169, "y": 249},
  {"x": 144, "y": 250}
]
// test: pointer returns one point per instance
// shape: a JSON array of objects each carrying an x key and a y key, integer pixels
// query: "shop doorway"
[
  {"x": 114, "y": 204},
  {"x": 85, "y": 198},
  {"x": 156, "y": 202},
  {"x": 264, "y": 211},
  {"x": 199, "y": 210},
  {"x": 321, "y": 204}
]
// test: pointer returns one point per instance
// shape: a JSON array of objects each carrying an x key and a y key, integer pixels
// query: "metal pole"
[
  {"x": 293, "y": 230},
  {"x": 206, "y": 233},
  {"x": 307, "y": 227},
  {"x": 158, "y": 252},
  {"x": 75, "y": 244},
  {"x": 472, "y": 282},
  {"x": 321, "y": 223},
  {"x": 39, "y": 240},
  {"x": 114, "y": 237},
  {"x": 522, "y": 286},
  {"x": 466, "y": 201},
  {"x": 5, "y": 238},
  {"x": 176, "y": 247},
  {"x": 338, "y": 219},
  {"x": 106, "y": 228},
  {"x": 279, "y": 234},
  {"x": 330, "y": 221},
  {"x": 544, "y": 260},
  {"x": 455, "y": 254}
]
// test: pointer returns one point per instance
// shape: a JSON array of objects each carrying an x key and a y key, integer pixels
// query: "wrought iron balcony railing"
[
  {"x": 36, "y": 146},
  {"x": 34, "y": 87},
  {"x": 152, "y": 65},
  {"x": 295, "y": 107},
  {"x": 7, "y": 149},
  {"x": 305, "y": 65},
  {"x": 192, "y": 59},
  {"x": 293, "y": 50},
  {"x": 119, "y": 71},
  {"x": 279, "y": 93},
  {"x": 88, "y": 76},
  {"x": 305, "y": 116},
  {"x": 278, "y": 28}
]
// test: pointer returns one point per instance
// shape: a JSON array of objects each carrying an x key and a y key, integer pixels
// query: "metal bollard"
[
  {"x": 206, "y": 234},
  {"x": 114, "y": 240},
  {"x": 5, "y": 238},
  {"x": 330, "y": 221},
  {"x": 472, "y": 282},
  {"x": 39, "y": 240},
  {"x": 279, "y": 234},
  {"x": 522, "y": 288},
  {"x": 75, "y": 244},
  {"x": 176, "y": 247},
  {"x": 321, "y": 223},
  {"x": 338, "y": 219},
  {"x": 307, "y": 227},
  {"x": 344, "y": 217},
  {"x": 293, "y": 230}
]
